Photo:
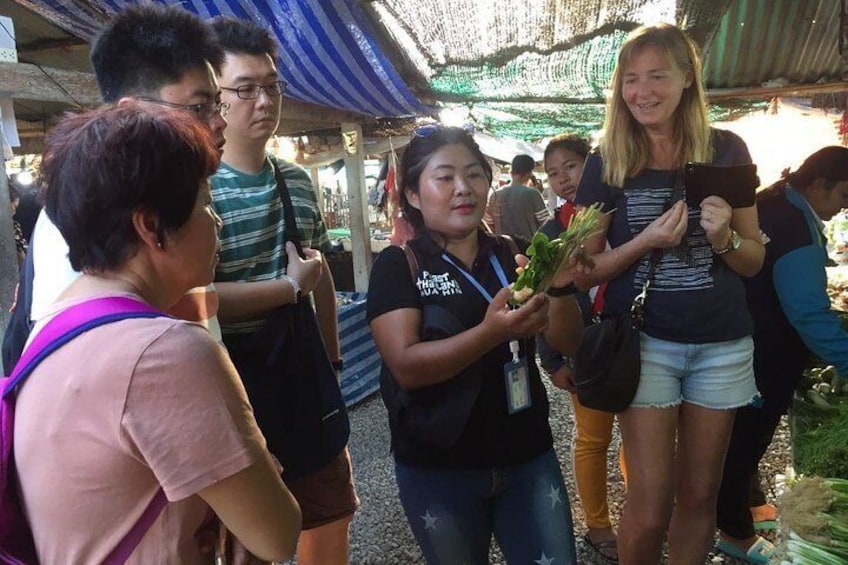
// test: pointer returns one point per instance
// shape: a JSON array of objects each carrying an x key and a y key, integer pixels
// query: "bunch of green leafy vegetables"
[
  {"x": 548, "y": 255},
  {"x": 819, "y": 423}
]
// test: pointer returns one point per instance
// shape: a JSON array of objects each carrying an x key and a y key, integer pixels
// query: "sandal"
[
  {"x": 758, "y": 553},
  {"x": 764, "y": 517},
  {"x": 603, "y": 548}
]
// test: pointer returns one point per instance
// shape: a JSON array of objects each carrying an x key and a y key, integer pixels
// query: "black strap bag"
[
  {"x": 290, "y": 380},
  {"x": 608, "y": 363},
  {"x": 436, "y": 414}
]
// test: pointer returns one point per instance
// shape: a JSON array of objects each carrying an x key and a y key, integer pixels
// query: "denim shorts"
[
  {"x": 719, "y": 376},
  {"x": 453, "y": 513}
]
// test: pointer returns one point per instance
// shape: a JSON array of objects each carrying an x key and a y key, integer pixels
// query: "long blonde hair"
[{"x": 625, "y": 147}]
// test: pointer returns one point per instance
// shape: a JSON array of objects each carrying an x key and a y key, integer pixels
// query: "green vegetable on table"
[
  {"x": 548, "y": 255},
  {"x": 815, "y": 511}
]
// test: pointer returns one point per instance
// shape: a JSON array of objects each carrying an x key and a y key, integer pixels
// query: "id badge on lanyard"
[{"x": 516, "y": 378}]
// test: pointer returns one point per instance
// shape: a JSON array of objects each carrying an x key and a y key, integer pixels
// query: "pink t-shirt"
[{"x": 114, "y": 414}]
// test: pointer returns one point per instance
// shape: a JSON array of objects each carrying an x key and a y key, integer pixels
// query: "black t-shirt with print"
[
  {"x": 492, "y": 437},
  {"x": 695, "y": 298}
]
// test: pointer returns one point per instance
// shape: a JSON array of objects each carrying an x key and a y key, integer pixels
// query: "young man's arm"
[
  {"x": 244, "y": 300},
  {"x": 325, "y": 311}
]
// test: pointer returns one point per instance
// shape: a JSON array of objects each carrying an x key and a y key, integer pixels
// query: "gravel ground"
[{"x": 380, "y": 534}]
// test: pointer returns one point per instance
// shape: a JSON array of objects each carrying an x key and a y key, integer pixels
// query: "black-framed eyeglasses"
[
  {"x": 251, "y": 91},
  {"x": 429, "y": 129},
  {"x": 203, "y": 111}
]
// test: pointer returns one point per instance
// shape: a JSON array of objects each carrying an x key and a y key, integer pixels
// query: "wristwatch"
[
  {"x": 338, "y": 366},
  {"x": 295, "y": 287},
  {"x": 557, "y": 291},
  {"x": 732, "y": 245}
]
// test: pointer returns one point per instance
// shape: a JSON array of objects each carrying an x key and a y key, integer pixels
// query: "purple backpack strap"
[
  {"x": 127, "y": 545},
  {"x": 57, "y": 332}
]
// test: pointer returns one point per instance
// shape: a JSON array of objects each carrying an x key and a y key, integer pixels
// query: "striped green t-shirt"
[{"x": 252, "y": 240}]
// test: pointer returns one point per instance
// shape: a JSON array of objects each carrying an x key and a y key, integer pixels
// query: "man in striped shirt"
[{"x": 261, "y": 277}]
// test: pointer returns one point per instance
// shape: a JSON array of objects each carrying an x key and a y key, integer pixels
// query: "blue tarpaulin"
[
  {"x": 361, "y": 374},
  {"x": 328, "y": 52}
]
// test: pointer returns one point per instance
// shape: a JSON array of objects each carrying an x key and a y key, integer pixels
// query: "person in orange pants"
[{"x": 563, "y": 160}]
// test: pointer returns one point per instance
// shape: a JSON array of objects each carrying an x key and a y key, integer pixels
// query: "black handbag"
[
  {"x": 607, "y": 365},
  {"x": 290, "y": 381},
  {"x": 436, "y": 414}
]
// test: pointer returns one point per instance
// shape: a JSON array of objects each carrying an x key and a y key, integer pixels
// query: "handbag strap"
[
  {"x": 677, "y": 193},
  {"x": 637, "y": 307},
  {"x": 57, "y": 332},
  {"x": 290, "y": 232},
  {"x": 412, "y": 261}
]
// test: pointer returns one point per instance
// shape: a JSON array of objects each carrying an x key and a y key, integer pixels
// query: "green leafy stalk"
[{"x": 548, "y": 255}]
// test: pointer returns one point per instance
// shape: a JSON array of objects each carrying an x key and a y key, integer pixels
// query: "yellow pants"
[{"x": 590, "y": 445}]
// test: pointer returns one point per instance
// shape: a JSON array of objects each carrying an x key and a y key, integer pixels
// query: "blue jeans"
[{"x": 454, "y": 512}]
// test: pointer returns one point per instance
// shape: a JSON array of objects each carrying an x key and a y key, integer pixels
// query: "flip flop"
[
  {"x": 767, "y": 515},
  {"x": 765, "y": 526},
  {"x": 601, "y": 546},
  {"x": 758, "y": 553}
]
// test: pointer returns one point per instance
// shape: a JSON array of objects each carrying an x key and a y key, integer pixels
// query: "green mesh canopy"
[{"x": 533, "y": 68}]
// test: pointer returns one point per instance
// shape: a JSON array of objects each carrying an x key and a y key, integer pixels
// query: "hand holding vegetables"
[
  {"x": 503, "y": 323},
  {"x": 548, "y": 256}
]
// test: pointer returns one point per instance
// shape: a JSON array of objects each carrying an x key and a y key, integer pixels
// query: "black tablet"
[{"x": 736, "y": 184}]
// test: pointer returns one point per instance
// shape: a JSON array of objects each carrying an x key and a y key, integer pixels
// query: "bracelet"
[
  {"x": 295, "y": 287},
  {"x": 734, "y": 243},
  {"x": 557, "y": 291}
]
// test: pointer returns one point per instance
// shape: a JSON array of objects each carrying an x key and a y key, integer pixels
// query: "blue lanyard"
[{"x": 496, "y": 265}]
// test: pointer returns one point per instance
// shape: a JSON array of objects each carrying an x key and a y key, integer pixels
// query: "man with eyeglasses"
[
  {"x": 263, "y": 284},
  {"x": 163, "y": 55}
]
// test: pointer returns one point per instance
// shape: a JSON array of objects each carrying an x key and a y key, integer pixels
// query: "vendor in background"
[
  {"x": 696, "y": 347},
  {"x": 792, "y": 319},
  {"x": 564, "y": 157},
  {"x": 470, "y": 435}
]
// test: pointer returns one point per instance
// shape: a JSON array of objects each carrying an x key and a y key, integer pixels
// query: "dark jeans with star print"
[{"x": 454, "y": 513}]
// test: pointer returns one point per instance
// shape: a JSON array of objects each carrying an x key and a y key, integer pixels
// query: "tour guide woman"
[
  {"x": 470, "y": 434},
  {"x": 696, "y": 347}
]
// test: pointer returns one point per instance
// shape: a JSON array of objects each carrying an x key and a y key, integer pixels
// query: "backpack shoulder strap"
[
  {"x": 127, "y": 545},
  {"x": 72, "y": 322},
  {"x": 411, "y": 260}
]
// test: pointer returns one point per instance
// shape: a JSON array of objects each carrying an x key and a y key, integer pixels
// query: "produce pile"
[
  {"x": 820, "y": 424},
  {"x": 837, "y": 288},
  {"x": 814, "y": 512},
  {"x": 548, "y": 255}
]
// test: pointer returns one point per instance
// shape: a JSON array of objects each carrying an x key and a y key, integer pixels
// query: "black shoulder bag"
[
  {"x": 437, "y": 414},
  {"x": 290, "y": 380},
  {"x": 607, "y": 365}
]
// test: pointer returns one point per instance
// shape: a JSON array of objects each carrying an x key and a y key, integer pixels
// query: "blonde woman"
[{"x": 696, "y": 346}]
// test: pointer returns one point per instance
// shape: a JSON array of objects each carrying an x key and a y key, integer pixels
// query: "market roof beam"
[{"x": 25, "y": 81}]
